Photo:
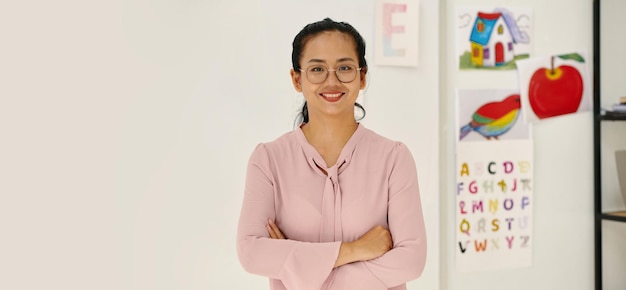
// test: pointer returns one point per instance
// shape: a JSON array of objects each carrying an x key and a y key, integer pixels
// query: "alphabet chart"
[{"x": 494, "y": 200}]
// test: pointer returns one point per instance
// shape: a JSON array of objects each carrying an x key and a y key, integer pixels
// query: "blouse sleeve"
[
  {"x": 299, "y": 265},
  {"x": 406, "y": 261}
]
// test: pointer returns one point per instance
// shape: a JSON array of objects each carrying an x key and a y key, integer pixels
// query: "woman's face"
[{"x": 331, "y": 98}]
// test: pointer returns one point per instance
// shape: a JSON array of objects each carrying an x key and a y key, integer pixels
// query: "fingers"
[
  {"x": 273, "y": 230},
  {"x": 386, "y": 236}
]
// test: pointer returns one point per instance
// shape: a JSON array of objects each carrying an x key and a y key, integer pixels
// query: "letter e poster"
[
  {"x": 397, "y": 28},
  {"x": 494, "y": 182}
]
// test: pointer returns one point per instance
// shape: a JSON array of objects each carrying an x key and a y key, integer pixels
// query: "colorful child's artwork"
[
  {"x": 554, "y": 85},
  {"x": 490, "y": 115},
  {"x": 492, "y": 39},
  {"x": 494, "y": 176},
  {"x": 396, "y": 29}
]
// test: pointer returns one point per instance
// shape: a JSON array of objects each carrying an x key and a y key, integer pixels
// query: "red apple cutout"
[{"x": 555, "y": 91}]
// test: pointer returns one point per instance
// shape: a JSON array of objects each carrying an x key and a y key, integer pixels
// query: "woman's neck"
[{"x": 328, "y": 137}]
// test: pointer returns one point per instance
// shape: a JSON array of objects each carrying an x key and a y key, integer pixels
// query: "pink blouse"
[{"x": 373, "y": 183}]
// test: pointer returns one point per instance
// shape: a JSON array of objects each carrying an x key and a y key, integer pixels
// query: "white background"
[{"x": 126, "y": 127}]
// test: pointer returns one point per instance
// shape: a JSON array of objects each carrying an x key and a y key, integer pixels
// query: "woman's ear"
[
  {"x": 363, "y": 77},
  {"x": 295, "y": 80}
]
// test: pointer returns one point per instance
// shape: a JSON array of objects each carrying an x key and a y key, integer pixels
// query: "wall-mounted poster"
[
  {"x": 494, "y": 177},
  {"x": 492, "y": 39},
  {"x": 554, "y": 85},
  {"x": 491, "y": 114},
  {"x": 396, "y": 29}
]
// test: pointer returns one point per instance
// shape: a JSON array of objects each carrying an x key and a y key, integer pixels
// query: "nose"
[{"x": 332, "y": 77}]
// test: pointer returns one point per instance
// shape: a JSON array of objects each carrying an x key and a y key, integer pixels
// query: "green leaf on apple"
[{"x": 572, "y": 56}]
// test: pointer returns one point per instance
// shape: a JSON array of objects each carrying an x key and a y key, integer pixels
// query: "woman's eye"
[
  {"x": 344, "y": 68},
  {"x": 317, "y": 69}
]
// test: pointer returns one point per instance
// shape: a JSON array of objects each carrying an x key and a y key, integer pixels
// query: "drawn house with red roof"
[{"x": 493, "y": 37}]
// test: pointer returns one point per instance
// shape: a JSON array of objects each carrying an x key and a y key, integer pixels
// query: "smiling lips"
[{"x": 332, "y": 97}]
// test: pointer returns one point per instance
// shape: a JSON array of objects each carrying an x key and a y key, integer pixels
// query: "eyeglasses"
[{"x": 318, "y": 74}]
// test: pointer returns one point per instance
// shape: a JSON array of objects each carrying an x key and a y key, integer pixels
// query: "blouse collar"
[{"x": 316, "y": 161}]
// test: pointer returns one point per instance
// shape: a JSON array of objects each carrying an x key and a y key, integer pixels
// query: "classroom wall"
[
  {"x": 563, "y": 165},
  {"x": 126, "y": 128}
]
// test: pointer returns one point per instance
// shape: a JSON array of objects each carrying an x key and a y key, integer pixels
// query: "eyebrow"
[{"x": 323, "y": 61}]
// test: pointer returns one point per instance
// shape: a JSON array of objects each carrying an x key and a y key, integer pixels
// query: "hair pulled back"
[{"x": 315, "y": 28}]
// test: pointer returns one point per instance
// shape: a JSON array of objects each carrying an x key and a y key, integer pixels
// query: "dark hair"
[{"x": 315, "y": 28}]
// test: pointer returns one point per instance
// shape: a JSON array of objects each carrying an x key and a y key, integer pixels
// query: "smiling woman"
[{"x": 331, "y": 205}]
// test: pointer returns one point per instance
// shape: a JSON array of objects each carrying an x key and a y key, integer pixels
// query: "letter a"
[{"x": 464, "y": 169}]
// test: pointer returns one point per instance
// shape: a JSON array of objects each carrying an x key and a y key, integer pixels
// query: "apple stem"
[{"x": 552, "y": 65}]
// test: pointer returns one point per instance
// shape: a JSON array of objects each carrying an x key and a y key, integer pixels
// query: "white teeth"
[{"x": 332, "y": 95}]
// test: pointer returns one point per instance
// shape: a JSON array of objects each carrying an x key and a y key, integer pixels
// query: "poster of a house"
[{"x": 492, "y": 39}]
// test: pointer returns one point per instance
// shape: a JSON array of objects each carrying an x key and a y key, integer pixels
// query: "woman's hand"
[
  {"x": 274, "y": 231},
  {"x": 371, "y": 245}
]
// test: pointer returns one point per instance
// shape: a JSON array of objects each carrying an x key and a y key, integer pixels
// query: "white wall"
[
  {"x": 126, "y": 128},
  {"x": 563, "y": 165}
]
